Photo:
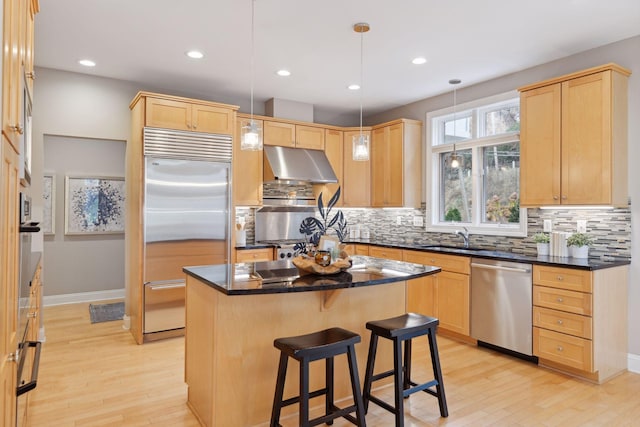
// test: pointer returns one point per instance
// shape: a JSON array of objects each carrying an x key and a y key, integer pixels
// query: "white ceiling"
[{"x": 145, "y": 41}]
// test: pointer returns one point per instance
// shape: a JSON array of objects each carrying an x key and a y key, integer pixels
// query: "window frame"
[{"x": 433, "y": 174}]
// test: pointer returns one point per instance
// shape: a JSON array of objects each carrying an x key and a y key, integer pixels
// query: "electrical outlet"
[
  {"x": 581, "y": 226},
  {"x": 547, "y": 226},
  {"x": 399, "y": 220},
  {"x": 417, "y": 221}
]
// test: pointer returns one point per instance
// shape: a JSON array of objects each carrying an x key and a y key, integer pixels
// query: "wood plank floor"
[{"x": 95, "y": 375}]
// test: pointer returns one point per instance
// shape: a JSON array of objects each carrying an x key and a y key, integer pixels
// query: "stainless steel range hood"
[{"x": 295, "y": 165}]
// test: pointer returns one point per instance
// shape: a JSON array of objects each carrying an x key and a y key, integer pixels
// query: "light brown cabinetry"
[
  {"x": 357, "y": 249},
  {"x": 254, "y": 255},
  {"x": 386, "y": 253},
  {"x": 333, "y": 148},
  {"x": 247, "y": 170},
  {"x": 573, "y": 139},
  {"x": 446, "y": 294},
  {"x": 396, "y": 163},
  {"x": 580, "y": 320},
  {"x": 287, "y": 134},
  {"x": 356, "y": 185},
  {"x": 168, "y": 112}
]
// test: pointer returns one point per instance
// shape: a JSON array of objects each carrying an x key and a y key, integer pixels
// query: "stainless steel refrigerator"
[{"x": 186, "y": 222}]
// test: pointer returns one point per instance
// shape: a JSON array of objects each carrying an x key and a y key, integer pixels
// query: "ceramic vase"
[
  {"x": 543, "y": 248},
  {"x": 580, "y": 251}
]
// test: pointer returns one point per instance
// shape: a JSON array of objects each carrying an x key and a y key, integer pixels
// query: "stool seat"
[
  {"x": 325, "y": 344},
  {"x": 402, "y": 329}
]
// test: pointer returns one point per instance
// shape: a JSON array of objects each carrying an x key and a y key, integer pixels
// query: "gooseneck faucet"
[{"x": 465, "y": 235}]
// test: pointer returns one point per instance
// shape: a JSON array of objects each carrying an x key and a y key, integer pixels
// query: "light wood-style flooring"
[{"x": 95, "y": 375}]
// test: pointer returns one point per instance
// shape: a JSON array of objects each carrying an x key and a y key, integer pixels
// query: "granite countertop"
[
  {"x": 579, "y": 263},
  {"x": 283, "y": 277}
]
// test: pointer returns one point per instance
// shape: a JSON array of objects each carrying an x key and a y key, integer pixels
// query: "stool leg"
[
  {"x": 397, "y": 380},
  {"x": 304, "y": 393},
  {"x": 407, "y": 365},
  {"x": 355, "y": 386},
  {"x": 329, "y": 386},
  {"x": 277, "y": 399},
  {"x": 371, "y": 359},
  {"x": 437, "y": 372}
]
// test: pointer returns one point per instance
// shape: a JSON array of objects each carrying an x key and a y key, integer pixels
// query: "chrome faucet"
[{"x": 465, "y": 235}]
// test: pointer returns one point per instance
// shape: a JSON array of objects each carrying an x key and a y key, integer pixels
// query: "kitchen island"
[{"x": 235, "y": 311}]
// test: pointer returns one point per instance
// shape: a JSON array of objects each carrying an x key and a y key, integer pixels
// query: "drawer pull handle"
[
  {"x": 559, "y": 299},
  {"x": 560, "y": 278},
  {"x": 560, "y": 348},
  {"x": 560, "y": 322}
]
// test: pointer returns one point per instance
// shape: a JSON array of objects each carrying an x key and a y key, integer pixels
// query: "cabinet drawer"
[
  {"x": 563, "y": 278},
  {"x": 453, "y": 263},
  {"x": 387, "y": 253},
  {"x": 254, "y": 255},
  {"x": 565, "y": 349},
  {"x": 560, "y": 321},
  {"x": 559, "y": 299}
]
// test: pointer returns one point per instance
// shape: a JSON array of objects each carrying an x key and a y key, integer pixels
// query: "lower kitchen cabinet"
[
  {"x": 444, "y": 295},
  {"x": 357, "y": 249},
  {"x": 386, "y": 253},
  {"x": 580, "y": 320},
  {"x": 254, "y": 255}
]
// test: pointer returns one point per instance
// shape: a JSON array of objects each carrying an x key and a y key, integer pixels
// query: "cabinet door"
[
  {"x": 356, "y": 189},
  {"x": 11, "y": 75},
  {"x": 168, "y": 114},
  {"x": 586, "y": 140},
  {"x": 333, "y": 149},
  {"x": 247, "y": 171},
  {"x": 387, "y": 188},
  {"x": 540, "y": 120},
  {"x": 210, "y": 119},
  {"x": 420, "y": 296},
  {"x": 254, "y": 255},
  {"x": 277, "y": 133},
  {"x": 452, "y": 301},
  {"x": 310, "y": 137},
  {"x": 379, "y": 152},
  {"x": 386, "y": 253}
]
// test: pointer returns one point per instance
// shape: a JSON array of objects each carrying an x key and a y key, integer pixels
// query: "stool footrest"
[
  {"x": 296, "y": 399},
  {"x": 382, "y": 403},
  {"x": 337, "y": 413},
  {"x": 382, "y": 375},
  {"x": 420, "y": 387}
]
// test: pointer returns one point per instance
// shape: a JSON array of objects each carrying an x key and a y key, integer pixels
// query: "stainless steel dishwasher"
[{"x": 501, "y": 306}]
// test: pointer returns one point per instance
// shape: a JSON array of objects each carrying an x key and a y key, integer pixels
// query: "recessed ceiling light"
[
  {"x": 283, "y": 73},
  {"x": 419, "y": 60},
  {"x": 87, "y": 63},
  {"x": 195, "y": 54},
  {"x": 354, "y": 87}
]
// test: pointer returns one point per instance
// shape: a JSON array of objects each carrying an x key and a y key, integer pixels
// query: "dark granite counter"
[
  {"x": 579, "y": 263},
  {"x": 282, "y": 276}
]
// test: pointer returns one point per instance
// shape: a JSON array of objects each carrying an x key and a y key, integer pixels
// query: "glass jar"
[{"x": 323, "y": 258}]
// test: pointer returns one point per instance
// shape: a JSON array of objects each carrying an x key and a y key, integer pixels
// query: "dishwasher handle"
[{"x": 499, "y": 267}]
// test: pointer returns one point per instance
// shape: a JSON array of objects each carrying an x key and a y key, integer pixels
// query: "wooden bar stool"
[
  {"x": 325, "y": 345},
  {"x": 403, "y": 329}
]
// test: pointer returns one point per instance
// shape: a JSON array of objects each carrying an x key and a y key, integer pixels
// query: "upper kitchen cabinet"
[
  {"x": 247, "y": 170},
  {"x": 573, "y": 139},
  {"x": 396, "y": 160},
  {"x": 171, "y": 112},
  {"x": 287, "y": 134},
  {"x": 333, "y": 149},
  {"x": 356, "y": 175}
]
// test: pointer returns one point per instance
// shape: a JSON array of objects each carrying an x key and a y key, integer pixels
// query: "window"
[{"x": 473, "y": 164}]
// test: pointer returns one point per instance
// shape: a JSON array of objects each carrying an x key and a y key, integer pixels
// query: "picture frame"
[
  {"x": 49, "y": 204},
  {"x": 327, "y": 243},
  {"x": 94, "y": 205}
]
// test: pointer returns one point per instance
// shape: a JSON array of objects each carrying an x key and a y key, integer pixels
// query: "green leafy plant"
[
  {"x": 314, "y": 228},
  {"x": 579, "y": 239},
  {"x": 453, "y": 214},
  {"x": 541, "y": 238}
]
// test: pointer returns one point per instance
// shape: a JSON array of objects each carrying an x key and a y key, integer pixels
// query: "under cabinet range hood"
[{"x": 295, "y": 165}]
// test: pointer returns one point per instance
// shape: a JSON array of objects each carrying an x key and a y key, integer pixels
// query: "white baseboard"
[
  {"x": 633, "y": 363},
  {"x": 49, "y": 300}
]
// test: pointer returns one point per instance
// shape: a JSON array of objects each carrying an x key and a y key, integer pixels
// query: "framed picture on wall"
[
  {"x": 49, "y": 204},
  {"x": 94, "y": 205}
]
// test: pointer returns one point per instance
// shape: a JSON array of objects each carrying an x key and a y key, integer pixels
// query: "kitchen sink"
[{"x": 448, "y": 247}]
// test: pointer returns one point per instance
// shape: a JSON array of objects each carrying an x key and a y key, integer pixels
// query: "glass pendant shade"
[
  {"x": 361, "y": 147},
  {"x": 251, "y": 136},
  {"x": 455, "y": 161}
]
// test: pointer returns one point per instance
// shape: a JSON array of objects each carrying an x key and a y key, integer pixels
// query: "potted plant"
[
  {"x": 542, "y": 243},
  {"x": 579, "y": 243},
  {"x": 314, "y": 228}
]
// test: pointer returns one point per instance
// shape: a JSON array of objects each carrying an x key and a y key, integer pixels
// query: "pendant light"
[
  {"x": 251, "y": 133},
  {"x": 361, "y": 141},
  {"x": 455, "y": 159}
]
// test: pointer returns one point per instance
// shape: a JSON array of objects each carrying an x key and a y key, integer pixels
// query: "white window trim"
[{"x": 432, "y": 223}]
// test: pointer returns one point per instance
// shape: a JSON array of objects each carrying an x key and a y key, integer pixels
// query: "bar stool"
[
  {"x": 403, "y": 329},
  {"x": 326, "y": 345}
]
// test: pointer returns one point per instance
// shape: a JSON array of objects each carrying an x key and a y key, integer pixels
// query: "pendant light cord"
[
  {"x": 361, "y": 77},
  {"x": 253, "y": 2}
]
